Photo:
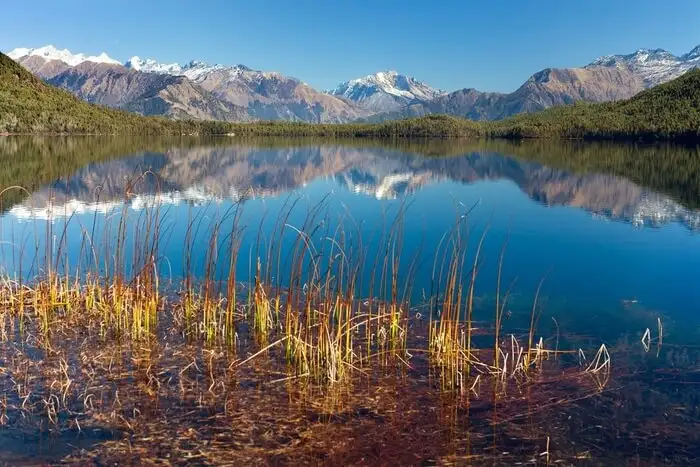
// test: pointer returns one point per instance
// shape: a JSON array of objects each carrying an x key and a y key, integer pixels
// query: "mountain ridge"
[
  {"x": 240, "y": 93},
  {"x": 49, "y": 52},
  {"x": 192, "y": 91},
  {"x": 30, "y": 105}
]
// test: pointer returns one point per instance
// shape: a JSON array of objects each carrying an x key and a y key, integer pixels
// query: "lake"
[{"x": 603, "y": 241}]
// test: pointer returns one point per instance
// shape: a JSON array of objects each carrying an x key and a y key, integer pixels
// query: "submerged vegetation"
[
  {"x": 669, "y": 111},
  {"x": 321, "y": 342}
]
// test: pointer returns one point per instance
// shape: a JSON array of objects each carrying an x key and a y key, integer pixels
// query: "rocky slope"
[
  {"x": 652, "y": 66},
  {"x": 42, "y": 67},
  {"x": 548, "y": 88},
  {"x": 114, "y": 85},
  {"x": 468, "y": 103},
  {"x": 202, "y": 91},
  {"x": 29, "y": 105},
  {"x": 608, "y": 78},
  {"x": 147, "y": 94},
  {"x": 272, "y": 96},
  {"x": 195, "y": 90}
]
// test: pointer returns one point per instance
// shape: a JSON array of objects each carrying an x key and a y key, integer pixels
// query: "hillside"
[
  {"x": 28, "y": 105},
  {"x": 195, "y": 91},
  {"x": 669, "y": 111}
]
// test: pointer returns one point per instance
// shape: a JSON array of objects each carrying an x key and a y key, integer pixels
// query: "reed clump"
[{"x": 318, "y": 294}]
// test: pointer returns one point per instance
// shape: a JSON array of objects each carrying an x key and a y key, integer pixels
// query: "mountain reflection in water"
[
  {"x": 213, "y": 174},
  {"x": 91, "y": 205},
  {"x": 555, "y": 219}
]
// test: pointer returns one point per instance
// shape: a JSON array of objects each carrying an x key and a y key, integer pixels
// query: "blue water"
[{"x": 617, "y": 267}]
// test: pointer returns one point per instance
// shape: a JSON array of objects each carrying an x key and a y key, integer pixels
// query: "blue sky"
[{"x": 489, "y": 45}]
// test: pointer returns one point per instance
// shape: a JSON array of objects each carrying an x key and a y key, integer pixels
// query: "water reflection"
[
  {"x": 606, "y": 282},
  {"x": 214, "y": 174},
  {"x": 555, "y": 218}
]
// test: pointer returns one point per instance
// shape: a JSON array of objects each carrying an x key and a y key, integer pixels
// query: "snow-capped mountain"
[
  {"x": 609, "y": 78},
  {"x": 151, "y": 66},
  {"x": 385, "y": 91},
  {"x": 652, "y": 66},
  {"x": 194, "y": 90},
  {"x": 266, "y": 95},
  {"x": 193, "y": 70},
  {"x": 236, "y": 92},
  {"x": 196, "y": 70},
  {"x": 50, "y": 52}
]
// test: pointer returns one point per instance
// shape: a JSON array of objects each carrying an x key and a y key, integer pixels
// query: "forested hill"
[
  {"x": 28, "y": 105},
  {"x": 669, "y": 111}
]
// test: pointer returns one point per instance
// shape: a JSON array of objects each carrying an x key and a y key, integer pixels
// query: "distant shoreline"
[{"x": 646, "y": 138}]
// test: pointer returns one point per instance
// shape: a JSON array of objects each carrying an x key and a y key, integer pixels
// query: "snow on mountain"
[
  {"x": 50, "y": 52},
  {"x": 386, "y": 90},
  {"x": 653, "y": 66},
  {"x": 695, "y": 53},
  {"x": 390, "y": 82},
  {"x": 151, "y": 66},
  {"x": 19, "y": 53},
  {"x": 194, "y": 70}
]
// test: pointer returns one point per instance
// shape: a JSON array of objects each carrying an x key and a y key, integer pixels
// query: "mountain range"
[{"x": 198, "y": 90}]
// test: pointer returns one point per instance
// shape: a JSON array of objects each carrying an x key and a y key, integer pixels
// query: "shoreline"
[{"x": 634, "y": 139}]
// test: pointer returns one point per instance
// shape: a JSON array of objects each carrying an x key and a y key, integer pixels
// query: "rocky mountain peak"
[
  {"x": 149, "y": 65},
  {"x": 653, "y": 66},
  {"x": 385, "y": 90},
  {"x": 693, "y": 54}
]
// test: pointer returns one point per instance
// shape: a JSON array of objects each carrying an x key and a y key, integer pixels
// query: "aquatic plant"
[{"x": 325, "y": 310}]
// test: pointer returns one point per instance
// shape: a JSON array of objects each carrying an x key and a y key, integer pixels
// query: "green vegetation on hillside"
[
  {"x": 667, "y": 112},
  {"x": 28, "y": 105}
]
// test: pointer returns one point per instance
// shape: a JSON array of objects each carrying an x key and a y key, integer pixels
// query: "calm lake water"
[
  {"x": 615, "y": 255},
  {"x": 611, "y": 232}
]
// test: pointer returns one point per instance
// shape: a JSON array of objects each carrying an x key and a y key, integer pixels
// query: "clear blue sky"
[{"x": 490, "y": 45}]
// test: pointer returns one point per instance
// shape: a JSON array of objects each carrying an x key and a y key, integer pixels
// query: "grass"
[
  {"x": 300, "y": 323},
  {"x": 306, "y": 299}
]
